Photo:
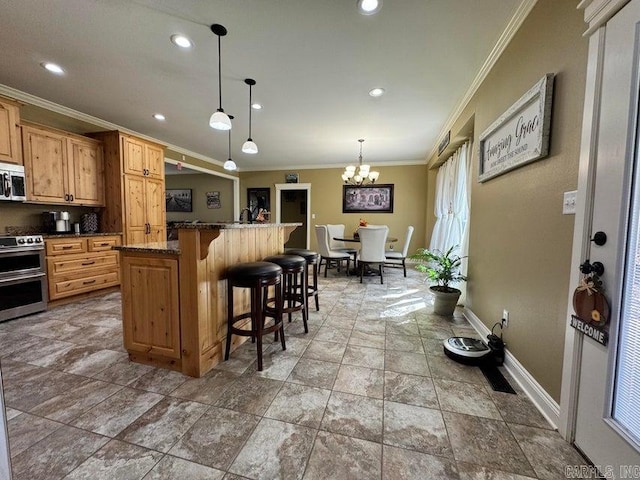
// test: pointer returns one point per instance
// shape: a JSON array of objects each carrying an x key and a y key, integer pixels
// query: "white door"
[{"x": 604, "y": 433}]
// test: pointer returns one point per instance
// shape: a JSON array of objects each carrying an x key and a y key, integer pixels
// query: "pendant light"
[
  {"x": 250, "y": 146},
  {"x": 364, "y": 175},
  {"x": 219, "y": 120},
  {"x": 230, "y": 164}
]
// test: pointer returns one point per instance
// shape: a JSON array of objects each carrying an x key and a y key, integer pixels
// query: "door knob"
[{"x": 595, "y": 267}]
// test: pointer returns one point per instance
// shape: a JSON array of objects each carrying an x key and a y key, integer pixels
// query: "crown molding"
[
  {"x": 27, "y": 98},
  {"x": 507, "y": 35},
  {"x": 324, "y": 166}
]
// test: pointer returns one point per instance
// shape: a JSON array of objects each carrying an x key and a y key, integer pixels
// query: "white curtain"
[{"x": 452, "y": 206}]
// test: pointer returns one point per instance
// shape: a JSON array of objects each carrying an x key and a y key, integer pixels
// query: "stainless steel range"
[{"x": 23, "y": 278}]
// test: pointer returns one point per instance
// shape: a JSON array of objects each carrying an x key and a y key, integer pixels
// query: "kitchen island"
[{"x": 174, "y": 294}]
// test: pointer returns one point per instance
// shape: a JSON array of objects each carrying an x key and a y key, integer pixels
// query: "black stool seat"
[
  {"x": 246, "y": 274},
  {"x": 258, "y": 277},
  {"x": 312, "y": 259},
  {"x": 309, "y": 255},
  {"x": 294, "y": 270}
]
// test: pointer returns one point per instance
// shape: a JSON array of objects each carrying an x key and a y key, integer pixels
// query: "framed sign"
[
  {"x": 178, "y": 200},
  {"x": 291, "y": 178},
  {"x": 367, "y": 198},
  {"x": 213, "y": 200},
  {"x": 520, "y": 135}
]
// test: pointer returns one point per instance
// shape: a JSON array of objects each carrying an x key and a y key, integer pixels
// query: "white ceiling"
[{"x": 314, "y": 62}]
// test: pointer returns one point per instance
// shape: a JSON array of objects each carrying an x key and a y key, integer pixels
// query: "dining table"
[{"x": 354, "y": 239}]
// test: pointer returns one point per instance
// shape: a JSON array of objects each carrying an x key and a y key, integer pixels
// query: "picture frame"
[
  {"x": 178, "y": 200},
  {"x": 291, "y": 177},
  {"x": 367, "y": 198},
  {"x": 213, "y": 200},
  {"x": 258, "y": 198},
  {"x": 520, "y": 135}
]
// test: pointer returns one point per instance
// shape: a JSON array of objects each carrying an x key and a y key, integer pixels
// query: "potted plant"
[{"x": 442, "y": 268}]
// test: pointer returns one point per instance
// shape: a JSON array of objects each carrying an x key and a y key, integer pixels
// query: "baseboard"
[{"x": 547, "y": 406}]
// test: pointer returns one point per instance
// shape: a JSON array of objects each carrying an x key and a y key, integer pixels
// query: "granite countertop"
[
  {"x": 64, "y": 235},
  {"x": 171, "y": 247},
  {"x": 213, "y": 226}
]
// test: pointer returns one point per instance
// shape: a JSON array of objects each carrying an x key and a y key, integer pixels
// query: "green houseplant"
[{"x": 443, "y": 268}]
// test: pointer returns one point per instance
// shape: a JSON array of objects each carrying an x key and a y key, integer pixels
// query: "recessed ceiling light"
[
  {"x": 181, "y": 41},
  {"x": 159, "y": 116},
  {"x": 376, "y": 92},
  {"x": 369, "y": 7},
  {"x": 53, "y": 67},
  {"x": 256, "y": 106}
]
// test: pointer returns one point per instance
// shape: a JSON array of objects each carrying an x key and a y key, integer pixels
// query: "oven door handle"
[{"x": 22, "y": 278}]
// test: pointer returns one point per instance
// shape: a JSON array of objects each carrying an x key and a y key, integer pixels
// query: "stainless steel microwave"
[{"x": 12, "y": 185}]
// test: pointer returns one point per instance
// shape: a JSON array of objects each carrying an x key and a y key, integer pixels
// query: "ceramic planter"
[{"x": 445, "y": 302}]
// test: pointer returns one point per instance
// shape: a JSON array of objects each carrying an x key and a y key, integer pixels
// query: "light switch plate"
[{"x": 569, "y": 203}]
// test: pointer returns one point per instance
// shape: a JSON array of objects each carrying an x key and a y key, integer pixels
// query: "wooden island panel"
[{"x": 203, "y": 254}]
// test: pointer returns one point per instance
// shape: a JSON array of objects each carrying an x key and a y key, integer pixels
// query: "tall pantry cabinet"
[{"x": 135, "y": 204}]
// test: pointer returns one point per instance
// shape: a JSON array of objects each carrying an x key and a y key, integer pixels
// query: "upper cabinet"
[
  {"x": 62, "y": 168},
  {"x": 9, "y": 133},
  {"x": 142, "y": 158}
]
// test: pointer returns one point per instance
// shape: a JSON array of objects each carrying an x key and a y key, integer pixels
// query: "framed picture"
[
  {"x": 291, "y": 178},
  {"x": 178, "y": 200},
  {"x": 258, "y": 198},
  {"x": 367, "y": 198},
  {"x": 213, "y": 200}
]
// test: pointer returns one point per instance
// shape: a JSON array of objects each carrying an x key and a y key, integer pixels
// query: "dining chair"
[
  {"x": 337, "y": 231},
  {"x": 399, "y": 258},
  {"x": 372, "y": 243},
  {"x": 326, "y": 254}
]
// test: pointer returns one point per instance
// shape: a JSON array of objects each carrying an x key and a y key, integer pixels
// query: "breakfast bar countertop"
[{"x": 171, "y": 247}]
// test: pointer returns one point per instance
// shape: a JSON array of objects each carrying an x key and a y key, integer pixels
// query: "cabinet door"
[
  {"x": 45, "y": 159},
  {"x": 86, "y": 171},
  {"x": 135, "y": 219},
  {"x": 150, "y": 306},
  {"x": 9, "y": 151},
  {"x": 155, "y": 204},
  {"x": 155, "y": 161},
  {"x": 133, "y": 152}
]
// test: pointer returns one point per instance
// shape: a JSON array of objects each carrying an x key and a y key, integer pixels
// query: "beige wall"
[
  {"x": 520, "y": 243},
  {"x": 410, "y": 197},
  {"x": 200, "y": 184}
]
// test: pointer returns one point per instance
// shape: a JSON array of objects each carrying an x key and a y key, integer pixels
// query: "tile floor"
[{"x": 366, "y": 394}]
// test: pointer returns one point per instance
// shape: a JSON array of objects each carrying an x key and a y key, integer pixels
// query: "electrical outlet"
[{"x": 505, "y": 318}]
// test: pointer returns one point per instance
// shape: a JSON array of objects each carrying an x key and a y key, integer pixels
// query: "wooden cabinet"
[
  {"x": 10, "y": 151},
  {"x": 159, "y": 275},
  {"x": 135, "y": 187},
  {"x": 62, "y": 168},
  {"x": 78, "y": 265}
]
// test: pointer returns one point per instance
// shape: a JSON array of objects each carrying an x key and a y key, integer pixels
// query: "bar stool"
[
  {"x": 257, "y": 276},
  {"x": 312, "y": 259},
  {"x": 293, "y": 285}
]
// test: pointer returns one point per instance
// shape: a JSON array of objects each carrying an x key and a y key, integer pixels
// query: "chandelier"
[{"x": 364, "y": 175}]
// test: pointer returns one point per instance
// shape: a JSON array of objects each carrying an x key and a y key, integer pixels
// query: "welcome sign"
[{"x": 520, "y": 135}]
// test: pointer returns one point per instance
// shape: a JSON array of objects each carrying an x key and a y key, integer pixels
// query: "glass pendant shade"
[
  {"x": 250, "y": 147},
  {"x": 373, "y": 176},
  {"x": 220, "y": 121},
  {"x": 230, "y": 165}
]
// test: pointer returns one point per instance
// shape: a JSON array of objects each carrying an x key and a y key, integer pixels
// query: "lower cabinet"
[
  {"x": 77, "y": 265},
  {"x": 151, "y": 321}
]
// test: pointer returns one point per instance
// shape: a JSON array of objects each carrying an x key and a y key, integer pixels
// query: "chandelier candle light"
[
  {"x": 230, "y": 164},
  {"x": 250, "y": 146},
  {"x": 363, "y": 176},
  {"x": 219, "y": 120}
]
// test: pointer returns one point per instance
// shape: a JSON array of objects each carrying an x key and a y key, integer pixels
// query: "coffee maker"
[{"x": 56, "y": 222}]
